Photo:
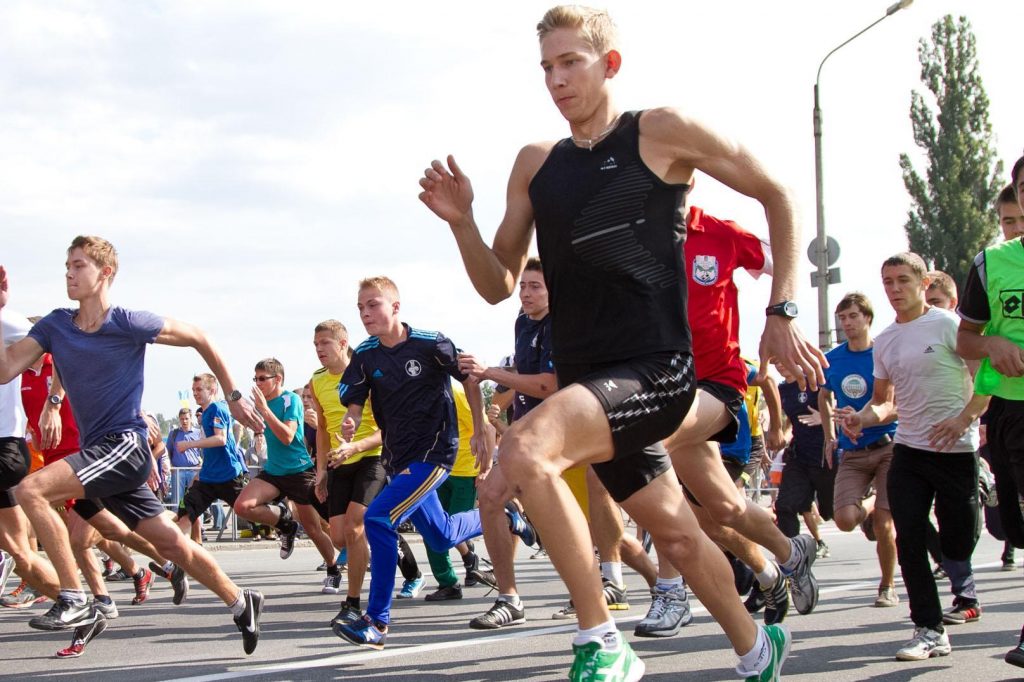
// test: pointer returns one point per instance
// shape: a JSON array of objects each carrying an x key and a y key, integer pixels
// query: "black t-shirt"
[
  {"x": 533, "y": 356},
  {"x": 808, "y": 441},
  {"x": 610, "y": 235}
]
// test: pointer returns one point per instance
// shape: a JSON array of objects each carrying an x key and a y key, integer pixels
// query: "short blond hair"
[
  {"x": 98, "y": 249},
  {"x": 383, "y": 284},
  {"x": 206, "y": 380},
  {"x": 336, "y": 329},
  {"x": 595, "y": 25}
]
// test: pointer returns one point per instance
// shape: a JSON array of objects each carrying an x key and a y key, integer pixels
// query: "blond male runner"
[
  {"x": 114, "y": 463},
  {"x": 606, "y": 204}
]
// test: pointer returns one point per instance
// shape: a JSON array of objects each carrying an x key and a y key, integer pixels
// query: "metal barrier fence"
[{"x": 224, "y": 519}]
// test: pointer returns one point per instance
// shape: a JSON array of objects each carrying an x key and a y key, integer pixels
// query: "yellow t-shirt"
[
  {"x": 325, "y": 388},
  {"x": 753, "y": 401},
  {"x": 465, "y": 461}
]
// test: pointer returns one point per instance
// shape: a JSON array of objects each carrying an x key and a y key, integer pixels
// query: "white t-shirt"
[
  {"x": 12, "y": 415},
  {"x": 931, "y": 382}
]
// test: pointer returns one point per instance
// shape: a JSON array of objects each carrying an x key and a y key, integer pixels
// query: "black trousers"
[
  {"x": 1006, "y": 445},
  {"x": 917, "y": 479},
  {"x": 802, "y": 481}
]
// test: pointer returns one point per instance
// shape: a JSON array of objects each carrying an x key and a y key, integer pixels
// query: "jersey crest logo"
[
  {"x": 609, "y": 164},
  {"x": 855, "y": 386},
  {"x": 705, "y": 270},
  {"x": 1011, "y": 301},
  {"x": 802, "y": 397},
  {"x": 413, "y": 368}
]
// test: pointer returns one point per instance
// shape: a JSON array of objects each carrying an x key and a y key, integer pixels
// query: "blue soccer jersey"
[
  {"x": 410, "y": 395},
  {"x": 850, "y": 377}
]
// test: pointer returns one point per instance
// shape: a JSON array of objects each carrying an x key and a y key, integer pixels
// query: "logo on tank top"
[
  {"x": 413, "y": 368},
  {"x": 855, "y": 386},
  {"x": 705, "y": 270},
  {"x": 609, "y": 164}
]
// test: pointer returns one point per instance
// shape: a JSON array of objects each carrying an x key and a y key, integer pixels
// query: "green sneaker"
[
  {"x": 779, "y": 639},
  {"x": 593, "y": 663}
]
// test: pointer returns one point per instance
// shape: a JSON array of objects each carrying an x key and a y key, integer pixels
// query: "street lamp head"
[{"x": 902, "y": 4}]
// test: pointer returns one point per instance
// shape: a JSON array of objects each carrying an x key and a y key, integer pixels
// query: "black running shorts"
[
  {"x": 296, "y": 487},
  {"x": 359, "y": 483},
  {"x": 200, "y": 495},
  {"x": 14, "y": 465}
]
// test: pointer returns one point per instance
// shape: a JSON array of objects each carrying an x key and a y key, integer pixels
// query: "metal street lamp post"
[{"x": 824, "y": 256}]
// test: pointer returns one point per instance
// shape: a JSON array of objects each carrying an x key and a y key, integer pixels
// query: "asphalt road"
[{"x": 844, "y": 639}]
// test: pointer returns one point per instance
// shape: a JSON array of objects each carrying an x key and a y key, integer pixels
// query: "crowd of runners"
[{"x": 626, "y": 391}]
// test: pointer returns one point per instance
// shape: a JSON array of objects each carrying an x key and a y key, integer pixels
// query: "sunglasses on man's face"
[{"x": 260, "y": 380}]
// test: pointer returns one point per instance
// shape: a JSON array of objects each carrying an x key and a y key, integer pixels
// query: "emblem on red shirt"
[{"x": 705, "y": 270}]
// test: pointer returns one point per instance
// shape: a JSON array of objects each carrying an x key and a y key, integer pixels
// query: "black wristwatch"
[
  {"x": 234, "y": 396},
  {"x": 55, "y": 400},
  {"x": 785, "y": 309}
]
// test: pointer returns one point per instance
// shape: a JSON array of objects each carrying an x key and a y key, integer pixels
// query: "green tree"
[{"x": 950, "y": 218}]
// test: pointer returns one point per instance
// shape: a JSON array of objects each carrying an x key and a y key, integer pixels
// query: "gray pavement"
[{"x": 844, "y": 639}]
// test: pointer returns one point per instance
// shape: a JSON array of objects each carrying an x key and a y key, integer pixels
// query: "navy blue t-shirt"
[
  {"x": 808, "y": 441},
  {"x": 410, "y": 393},
  {"x": 102, "y": 371},
  {"x": 533, "y": 356}
]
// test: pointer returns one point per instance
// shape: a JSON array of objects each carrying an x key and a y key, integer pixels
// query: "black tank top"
[{"x": 610, "y": 234}]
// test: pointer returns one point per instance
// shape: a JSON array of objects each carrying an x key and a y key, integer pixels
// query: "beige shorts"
[{"x": 858, "y": 470}]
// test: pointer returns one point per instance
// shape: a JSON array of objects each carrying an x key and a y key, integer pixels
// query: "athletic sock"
[
  {"x": 768, "y": 576},
  {"x": 238, "y": 608},
  {"x": 795, "y": 555},
  {"x": 755, "y": 660},
  {"x": 512, "y": 599},
  {"x": 606, "y": 634},
  {"x": 76, "y": 597},
  {"x": 612, "y": 572},
  {"x": 666, "y": 584},
  {"x": 353, "y": 602},
  {"x": 168, "y": 567},
  {"x": 104, "y": 599}
]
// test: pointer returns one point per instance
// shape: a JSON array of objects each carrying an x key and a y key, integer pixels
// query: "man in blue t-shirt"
[
  {"x": 185, "y": 457},
  {"x": 850, "y": 380},
  {"x": 289, "y": 473},
  {"x": 405, "y": 373},
  {"x": 223, "y": 474},
  {"x": 99, "y": 350}
]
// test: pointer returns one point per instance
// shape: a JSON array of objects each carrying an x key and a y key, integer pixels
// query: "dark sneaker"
[
  {"x": 963, "y": 611},
  {"x": 593, "y": 663},
  {"x": 249, "y": 622},
  {"x": 615, "y": 596},
  {"x": 364, "y": 632},
  {"x": 119, "y": 576},
  {"x": 776, "y": 601},
  {"x": 925, "y": 644},
  {"x": 755, "y": 600},
  {"x": 446, "y": 593},
  {"x": 332, "y": 584},
  {"x": 179, "y": 583},
  {"x": 63, "y": 615},
  {"x": 670, "y": 611},
  {"x": 478, "y": 577},
  {"x": 1009, "y": 565},
  {"x": 742, "y": 576},
  {"x": 939, "y": 573},
  {"x": 286, "y": 535},
  {"x": 159, "y": 570},
  {"x": 142, "y": 585},
  {"x": 803, "y": 584},
  {"x": 348, "y": 615},
  {"x": 1015, "y": 656},
  {"x": 823, "y": 551},
  {"x": 503, "y": 613},
  {"x": 867, "y": 526},
  {"x": 780, "y": 640},
  {"x": 108, "y": 567},
  {"x": 520, "y": 525},
  {"x": 83, "y": 635}
]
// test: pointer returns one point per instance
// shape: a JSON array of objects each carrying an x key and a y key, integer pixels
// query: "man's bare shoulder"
[{"x": 532, "y": 157}]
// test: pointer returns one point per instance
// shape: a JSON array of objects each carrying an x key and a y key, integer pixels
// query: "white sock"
[
  {"x": 612, "y": 572},
  {"x": 795, "y": 555},
  {"x": 666, "y": 584},
  {"x": 512, "y": 599},
  {"x": 606, "y": 634},
  {"x": 755, "y": 660},
  {"x": 238, "y": 608},
  {"x": 768, "y": 576},
  {"x": 168, "y": 567},
  {"x": 76, "y": 597}
]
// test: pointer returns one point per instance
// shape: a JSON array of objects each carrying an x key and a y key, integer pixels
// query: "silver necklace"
[{"x": 589, "y": 142}]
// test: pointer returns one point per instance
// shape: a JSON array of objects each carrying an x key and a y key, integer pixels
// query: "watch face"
[
  {"x": 234, "y": 396},
  {"x": 790, "y": 309}
]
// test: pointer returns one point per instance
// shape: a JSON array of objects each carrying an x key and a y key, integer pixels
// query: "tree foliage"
[{"x": 951, "y": 218}]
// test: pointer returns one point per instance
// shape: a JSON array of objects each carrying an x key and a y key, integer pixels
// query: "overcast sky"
[{"x": 251, "y": 161}]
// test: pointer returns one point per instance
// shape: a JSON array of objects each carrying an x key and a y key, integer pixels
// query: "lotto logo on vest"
[{"x": 1011, "y": 300}]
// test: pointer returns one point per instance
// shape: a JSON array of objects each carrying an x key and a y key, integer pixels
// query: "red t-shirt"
[
  {"x": 34, "y": 391},
  {"x": 714, "y": 249}
]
